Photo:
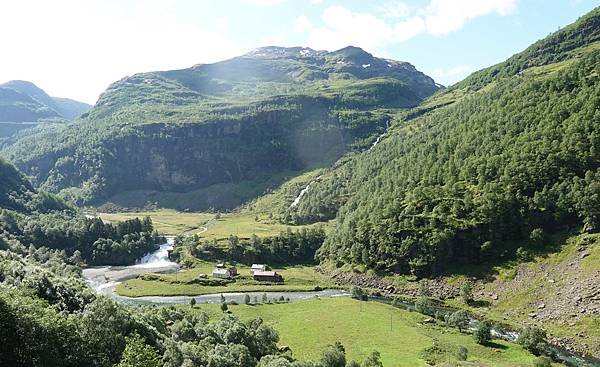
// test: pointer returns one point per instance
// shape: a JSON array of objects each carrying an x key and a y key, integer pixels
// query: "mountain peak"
[
  {"x": 353, "y": 53},
  {"x": 35, "y": 104},
  {"x": 278, "y": 52}
]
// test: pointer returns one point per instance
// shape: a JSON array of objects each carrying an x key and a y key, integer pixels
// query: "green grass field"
[
  {"x": 171, "y": 222},
  {"x": 297, "y": 278},
  {"x": 166, "y": 221},
  {"x": 309, "y": 326},
  {"x": 243, "y": 225}
]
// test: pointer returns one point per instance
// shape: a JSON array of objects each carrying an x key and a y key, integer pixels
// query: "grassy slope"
[
  {"x": 279, "y": 201},
  {"x": 171, "y": 222},
  {"x": 309, "y": 326},
  {"x": 556, "y": 281},
  {"x": 167, "y": 222},
  {"x": 297, "y": 278}
]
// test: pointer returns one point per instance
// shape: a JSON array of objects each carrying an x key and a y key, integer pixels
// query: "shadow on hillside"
[
  {"x": 496, "y": 346},
  {"x": 488, "y": 270}
]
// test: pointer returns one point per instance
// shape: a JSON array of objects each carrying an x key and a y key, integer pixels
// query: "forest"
[
  {"x": 484, "y": 178},
  {"x": 289, "y": 247}
]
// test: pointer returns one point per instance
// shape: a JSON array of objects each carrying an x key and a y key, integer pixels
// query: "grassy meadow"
[
  {"x": 297, "y": 278},
  {"x": 166, "y": 221},
  {"x": 206, "y": 225},
  {"x": 307, "y": 327}
]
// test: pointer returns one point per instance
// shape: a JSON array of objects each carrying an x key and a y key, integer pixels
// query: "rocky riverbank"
[{"x": 560, "y": 292}]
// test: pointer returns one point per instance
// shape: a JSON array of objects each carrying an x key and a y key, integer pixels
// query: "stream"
[
  {"x": 555, "y": 352},
  {"x": 105, "y": 279}
]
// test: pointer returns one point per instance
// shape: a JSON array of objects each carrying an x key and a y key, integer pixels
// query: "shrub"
[
  {"x": 459, "y": 319},
  {"x": 542, "y": 362},
  {"x": 466, "y": 293},
  {"x": 483, "y": 333},
  {"x": 533, "y": 339},
  {"x": 358, "y": 293},
  {"x": 462, "y": 353},
  {"x": 435, "y": 354},
  {"x": 424, "y": 305}
]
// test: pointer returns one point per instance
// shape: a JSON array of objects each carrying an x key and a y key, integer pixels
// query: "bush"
[
  {"x": 459, "y": 320},
  {"x": 524, "y": 254},
  {"x": 424, "y": 305},
  {"x": 533, "y": 339},
  {"x": 224, "y": 307},
  {"x": 246, "y": 299},
  {"x": 358, "y": 293},
  {"x": 542, "y": 362},
  {"x": 372, "y": 360},
  {"x": 483, "y": 333},
  {"x": 435, "y": 354},
  {"x": 466, "y": 293},
  {"x": 462, "y": 353}
]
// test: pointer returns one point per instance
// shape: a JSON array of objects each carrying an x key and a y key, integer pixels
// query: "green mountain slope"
[
  {"x": 498, "y": 161},
  {"x": 17, "y": 193},
  {"x": 23, "y": 101},
  {"x": 16, "y": 106},
  {"x": 236, "y": 124}
]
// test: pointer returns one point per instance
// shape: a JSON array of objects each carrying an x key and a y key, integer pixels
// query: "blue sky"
[{"x": 75, "y": 48}]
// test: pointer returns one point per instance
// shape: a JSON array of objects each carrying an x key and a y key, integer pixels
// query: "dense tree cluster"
[
  {"x": 288, "y": 247},
  {"x": 96, "y": 242},
  {"x": 498, "y": 169},
  {"x": 49, "y": 317}
]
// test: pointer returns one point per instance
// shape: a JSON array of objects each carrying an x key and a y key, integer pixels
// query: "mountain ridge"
[
  {"x": 236, "y": 122},
  {"x": 55, "y": 107},
  {"x": 470, "y": 174}
]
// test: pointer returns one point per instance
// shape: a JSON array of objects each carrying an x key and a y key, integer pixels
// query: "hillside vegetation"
[
  {"x": 23, "y": 106},
  {"x": 498, "y": 161},
  {"x": 224, "y": 133}
]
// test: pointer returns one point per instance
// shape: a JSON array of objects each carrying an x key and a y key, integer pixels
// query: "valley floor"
[
  {"x": 308, "y": 327},
  {"x": 184, "y": 283},
  {"x": 559, "y": 291}
]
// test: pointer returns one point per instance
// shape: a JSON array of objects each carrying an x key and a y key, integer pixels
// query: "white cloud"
[
  {"x": 301, "y": 24},
  {"x": 264, "y": 2},
  {"x": 271, "y": 41},
  {"x": 443, "y": 16},
  {"x": 95, "y": 44},
  {"x": 222, "y": 23},
  {"x": 395, "y": 10},
  {"x": 342, "y": 27}
]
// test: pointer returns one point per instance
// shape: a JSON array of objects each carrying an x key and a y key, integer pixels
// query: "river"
[{"x": 106, "y": 278}]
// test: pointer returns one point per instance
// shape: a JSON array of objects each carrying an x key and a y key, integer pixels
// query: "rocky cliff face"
[
  {"x": 251, "y": 117},
  {"x": 182, "y": 157}
]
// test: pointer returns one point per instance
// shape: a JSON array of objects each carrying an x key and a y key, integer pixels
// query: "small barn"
[
  {"x": 222, "y": 273},
  {"x": 267, "y": 276},
  {"x": 258, "y": 267}
]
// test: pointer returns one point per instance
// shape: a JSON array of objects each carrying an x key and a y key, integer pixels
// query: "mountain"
[
  {"x": 485, "y": 171},
  {"x": 22, "y": 101},
  {"x": 216, "y": 135},
  {"x": 18, "y": 194}
]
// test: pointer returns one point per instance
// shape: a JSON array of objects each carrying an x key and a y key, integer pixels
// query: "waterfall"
[{"x": 158, "y": 258}]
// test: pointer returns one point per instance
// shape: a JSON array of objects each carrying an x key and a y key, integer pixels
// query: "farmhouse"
[
  {"x": 224, "y": 273},
  {"x": 258, "y": 267},
  {"x": 267, "y": 276}
]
